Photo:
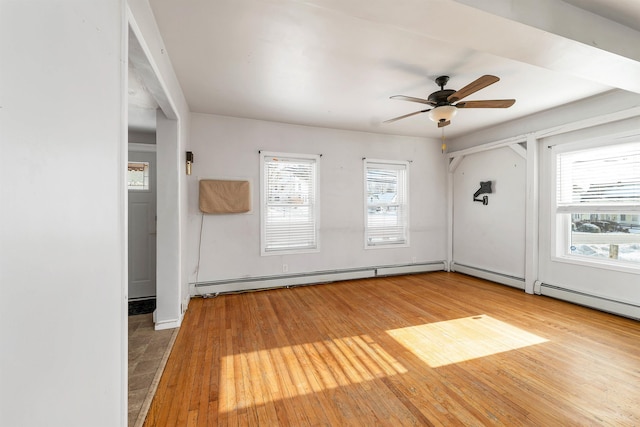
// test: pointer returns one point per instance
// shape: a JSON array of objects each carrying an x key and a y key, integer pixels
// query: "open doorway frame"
[
  {"x": 169, "y": 305},
  {"x": 143, "y": 44}
]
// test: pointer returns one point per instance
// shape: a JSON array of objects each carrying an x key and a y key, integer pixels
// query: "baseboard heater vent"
[
  {"x": 268, "y": 282},
  {"x": 409, "y": 269},
  {"x": 592, "y": 301},
  {"x": 504, "y": 279}
]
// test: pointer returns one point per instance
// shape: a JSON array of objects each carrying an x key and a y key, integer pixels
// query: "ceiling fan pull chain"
[{"x": 444, "y": 145}]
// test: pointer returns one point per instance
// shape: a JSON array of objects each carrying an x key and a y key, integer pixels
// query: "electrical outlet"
[
  {"x": 414, "y": 260},
  {"x": 285, "y": 268}
]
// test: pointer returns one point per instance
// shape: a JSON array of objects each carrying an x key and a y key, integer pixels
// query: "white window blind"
[
  {"x": 598, "y": 204},
  {"x": 386, "y": 204},
  {"x": 601, "y": 179},
  {"x": 289, "y": 203}
]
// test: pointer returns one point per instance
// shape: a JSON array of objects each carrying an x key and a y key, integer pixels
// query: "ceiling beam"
[
  {"x": 550, "y": 34},
  {"x": 554, "y": 35}
]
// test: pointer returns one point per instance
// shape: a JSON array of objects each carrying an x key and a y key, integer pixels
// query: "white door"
[{"x": 142, "y": 224}]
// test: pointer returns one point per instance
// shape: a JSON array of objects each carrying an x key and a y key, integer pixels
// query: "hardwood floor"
[{"x": 431, "y": 349}]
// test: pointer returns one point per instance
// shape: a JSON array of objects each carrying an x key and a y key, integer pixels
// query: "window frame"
[
  {"x": 561, "y": 215},
  {"x": 392, "y": 165},
  {"x": 307, "y": 158},
  {"x": 146, "y": 179}
]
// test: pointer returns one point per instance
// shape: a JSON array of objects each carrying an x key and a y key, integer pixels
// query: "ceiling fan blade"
[
  {"x": 494, "y": 103},
  {"x": 406, "y": 115},
  {"x": 472, "y": 87},
  {"x": 444, "y": 123},
  {"x": 412, "y": 99}
]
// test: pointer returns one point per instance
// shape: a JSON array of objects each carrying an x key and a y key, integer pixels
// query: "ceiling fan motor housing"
[{"x": 439, "y": 98}]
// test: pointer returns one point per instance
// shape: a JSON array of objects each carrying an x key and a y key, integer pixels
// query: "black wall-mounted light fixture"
[
  {"x": 189, "y": 161},
  {"x": 485, "y": 187}
]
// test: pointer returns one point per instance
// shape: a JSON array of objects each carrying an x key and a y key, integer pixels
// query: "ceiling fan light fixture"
[
  {"x": 443, "y": 113},
  {"x": 441, "y": 100}
]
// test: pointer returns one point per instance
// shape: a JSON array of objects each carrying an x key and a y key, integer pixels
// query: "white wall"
[
  {"x": 168, "y": 285},
  {"x": 227, "y": 148},
  {"x": 490, "y": 237},
  {"x": 62, "y": 214},
  {"x": 605, "y": 117},
  {"x": 593, "y": 107}
]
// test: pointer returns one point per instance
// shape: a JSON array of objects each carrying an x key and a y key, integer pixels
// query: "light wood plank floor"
[{"x": 430, "y": 350}]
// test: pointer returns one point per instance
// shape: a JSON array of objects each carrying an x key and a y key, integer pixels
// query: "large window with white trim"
[
  {"x": 289, "y": 203},
  {"x": 386, "y": 203},
  {"x": 598, "y": 204}
]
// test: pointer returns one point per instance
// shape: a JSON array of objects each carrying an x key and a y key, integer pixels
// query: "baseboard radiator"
[
  {"x": 309, "y": 278},
  {"x": 504, "y": 279},
  {"x": 592, "y": 301}
]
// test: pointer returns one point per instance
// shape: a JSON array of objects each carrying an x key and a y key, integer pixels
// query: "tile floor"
[{"x": 148, "y": 353}]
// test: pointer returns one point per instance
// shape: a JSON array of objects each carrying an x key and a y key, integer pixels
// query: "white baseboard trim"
[
  {"x": 185, "y": 305},
  {"x": 168, "y": 324},
  {"x": 515, "y": 282},
  {"x": 591, "y": 301},
  {"x": 310, "y": 278}
]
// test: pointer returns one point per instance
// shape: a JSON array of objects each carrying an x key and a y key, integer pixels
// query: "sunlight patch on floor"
[
  {"x": 258, "y": 377},
  {"x": 458, "y": 340}
]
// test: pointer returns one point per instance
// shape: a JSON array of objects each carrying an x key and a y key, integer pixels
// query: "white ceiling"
[
  {"x": 141, "y": 82},
  {"x": 142, "y": 105},
  {"x": 335, "y": 63}
]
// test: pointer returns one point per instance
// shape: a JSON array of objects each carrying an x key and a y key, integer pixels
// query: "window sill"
[
  {"x": 289, "y": 252},
  {"x": 622, "y": 267},
  {"x": 387, "y": 246}
]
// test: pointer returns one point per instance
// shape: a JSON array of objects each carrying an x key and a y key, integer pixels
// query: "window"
[
  {"x": 386, "y": 204},
  {"x": 598, "y": 204},
  {"x": 289, "y": 200},
  {"x": 138, "y": 176}
]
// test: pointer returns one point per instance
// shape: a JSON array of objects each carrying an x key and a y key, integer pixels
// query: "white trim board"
[
  {"x": 144, "y": 148},
  {"x": 545, "y": 133},
  {"x": 166, "y": 324}
]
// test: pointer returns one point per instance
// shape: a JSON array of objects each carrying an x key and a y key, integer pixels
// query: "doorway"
[
  {"x": 153, "y": 224},
  {"x": 142, "y": 194}
]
